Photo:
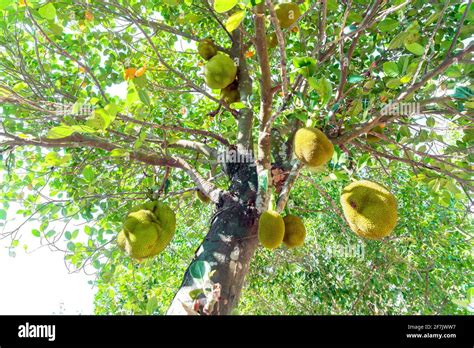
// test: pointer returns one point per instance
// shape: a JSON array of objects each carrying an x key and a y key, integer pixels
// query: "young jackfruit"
[
  {"x": 295, "y": 232},
  {"x": 207, "y": 49},
  {"x": 220, "y": 71},
  {"x": 272, "y": 40},
  {"x": 136, "y": 218},
  {"x": 121, "y": 240},
  {"x": 312, "y": 147},
  {"x": 147, "y": 230},
  {"x": 287, "y": 14},
  {"x": 231, "y": 94},
  {"x": 373, "y": 138},
  {"x": 167, "y": 220},
  {"x": 202, "y": 197},
  {"x": 142, "y": 240},
  {"x": 370, "y": 209},
  {"x": 271, "y": 229}
]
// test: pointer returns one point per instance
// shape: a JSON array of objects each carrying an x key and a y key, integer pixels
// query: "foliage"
[{"x": 104, "y": 105}]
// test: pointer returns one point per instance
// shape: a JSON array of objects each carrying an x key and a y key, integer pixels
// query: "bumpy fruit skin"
[
  {"x": 136, "y": 218},
  {"x": 121, "y": 240},
  {"x": 271, "y": 229},
  {"x": 142, "y": 240},
  {"x": 147, "y": 230},
  {"x": 202, "y": 197},
  {"x": 295, "y": 232},
  {"x": 231, "y": 94},
  {"x": 287, "y": 14},
  {"x": 220, "y": 71},
  {"x": 370, "y": 209},
  {"x": 207, "y": 49},
  {"x": 312, "y": 147},
  {"x": 375, "y": 139}
]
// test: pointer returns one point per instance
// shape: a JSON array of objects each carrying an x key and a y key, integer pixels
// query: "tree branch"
[
  {"x": 80, "y": 141},
  {"x": 347, "y": 137}
]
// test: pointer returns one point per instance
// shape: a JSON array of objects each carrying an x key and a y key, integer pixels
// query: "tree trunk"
[{"x": 228, "y": 248}]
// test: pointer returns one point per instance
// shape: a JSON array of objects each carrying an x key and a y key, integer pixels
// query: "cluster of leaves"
[
  {"x": 103, "y": 39},
  {"x": 422, "y": 269}
]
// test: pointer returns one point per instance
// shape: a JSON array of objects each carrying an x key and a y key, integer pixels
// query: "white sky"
[{"x": 38, "y": 282}]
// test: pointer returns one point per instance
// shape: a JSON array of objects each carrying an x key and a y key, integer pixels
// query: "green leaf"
[
  {"x": 237, "y": 105},
  {"x": 199, "y": 269},
  {"x": 88, "y": 173},
  {"x": 390, "y": 69},
  {"x": 393, "y": 83},
  {"x": 355, "y": 79},
  {"x": 195, "y": 293},
  {"x": 324, "y": 89},
  {"x": 463, "y": 93},
  {"x": 48, "y": 11},
  {"x": 118, "y": 153},
  {"x": 19, "y": 86},
  {"x": 60, "y": 132},
  {"x": 100, "y": 120},
  {"x": 397, "y": 41},
  {"x": 5, "y": 3},
  {"x": 222, "y": 6},
  {"x": 71, "y": 246},
  {"x": 83, "y": 129},
  {"x": 3, "y": 214},
  {"x": 306, "y": 66},
  {"x": 52, "y": 159},
  {"x": 14, "y": 243},
  {"x": 430, "y": 122},
  {"x": 56, "y": 29},
  {"x": 50, "y": 234},
  {"x": 143, "y": 95},
  {"x": 415, "y": 48},
  {"x": 111, "y": 109},
  {"x": 35, "y": 233},
  {"x": 88, "y": 230},
  {"x": 151, "y": 305},
  {"x": 234, "y": 21},
  {"x": 388, "y": 25}
]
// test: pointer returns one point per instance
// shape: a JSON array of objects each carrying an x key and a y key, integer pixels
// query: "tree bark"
[{"x": 228, "y": 248}]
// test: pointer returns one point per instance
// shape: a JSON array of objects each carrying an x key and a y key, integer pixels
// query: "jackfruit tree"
[{"x": 306, "y": 125}]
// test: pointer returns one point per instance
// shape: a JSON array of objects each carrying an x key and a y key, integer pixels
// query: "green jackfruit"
[
  {"x": 231, "y": 94},
  {"x": 202, "y": 197},
  {"x": 370, "y": 209},
  {"x": 136, "y": 218},
  {"x": 142, "y": 240},
  {"x": 220, "y": 71},
  {"x": 166, "y": 218},
  {"x": 312, "y": 147},
  {"x": 147, "y": 230},
  {"x": 271, "y": 229},
  {"x": 207, "y": 49},
  {"x": 287, "y": 14},
  {"x": 272, "y": 40},
  {"x": 373, "y": 138},
  {"x": 121, "y": 240},
  {"x": 295, "y": 232}
]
